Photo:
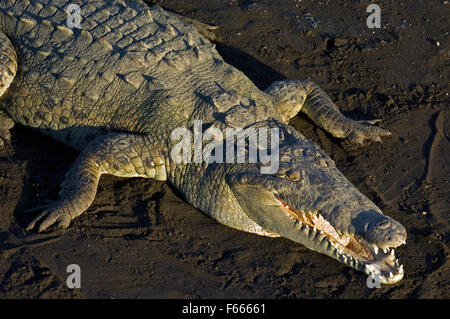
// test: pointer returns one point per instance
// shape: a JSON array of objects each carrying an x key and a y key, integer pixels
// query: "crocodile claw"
[
  {"x": 365, "y": 131},
  {"x": 52, "y": 214}
]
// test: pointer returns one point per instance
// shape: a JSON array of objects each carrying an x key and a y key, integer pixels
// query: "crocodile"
[{"x": 119, "y": 81}]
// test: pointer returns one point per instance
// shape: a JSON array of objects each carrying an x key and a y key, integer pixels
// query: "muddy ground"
[{"x": 140, "y": 239}]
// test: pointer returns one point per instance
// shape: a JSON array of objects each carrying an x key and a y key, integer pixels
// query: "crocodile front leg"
[
  {"x": 8, "y": 69},
  {"x": 291, "y": 96},
  {"x": 119, "y": 154}
]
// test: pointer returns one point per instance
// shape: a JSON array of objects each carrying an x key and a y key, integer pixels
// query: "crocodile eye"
[
  {"x": 290, "y": 174},
  {"x": 293, "y": 175}
]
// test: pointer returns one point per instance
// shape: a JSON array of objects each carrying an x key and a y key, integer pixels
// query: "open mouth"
[{"x": 351, "y": 250}]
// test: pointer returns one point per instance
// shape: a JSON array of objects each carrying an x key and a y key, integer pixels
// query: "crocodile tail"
[{"x": 8, "y": 63}]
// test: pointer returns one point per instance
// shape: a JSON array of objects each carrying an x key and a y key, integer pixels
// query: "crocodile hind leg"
[
  {"x": 293, "y": 96},
  {"x": 119, "y": 154},
  {"x": 8, "y": 69}
]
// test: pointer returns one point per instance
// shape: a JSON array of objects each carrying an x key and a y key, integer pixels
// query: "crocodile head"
[{"x": 310, "y": 202}]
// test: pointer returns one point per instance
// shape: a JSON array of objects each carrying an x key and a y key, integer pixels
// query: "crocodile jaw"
[
  {"x": 351, "y": 250},
  {"x": 313, "y": 230}
]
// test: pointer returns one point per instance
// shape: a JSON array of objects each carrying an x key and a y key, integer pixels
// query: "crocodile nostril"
[{"x": 383, "y": 224}]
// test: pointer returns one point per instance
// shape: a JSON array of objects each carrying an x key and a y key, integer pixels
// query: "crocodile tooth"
[
  {"x": 375, "y": 248},
  {"x": 392, "y": 253},
  {"x": 400, "y": 269},
  {"x": 330, "y": 245},
  {"x": 386, "y": 250},
  {"x": 391, "y": 275},
  {"x": 336, "y": 252},
  {"x": 324, "y": 243}
]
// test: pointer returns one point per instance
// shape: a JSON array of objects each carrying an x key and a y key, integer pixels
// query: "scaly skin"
[
  {"x": 116, "y": 89},
  {"x": 8, "y": 69}
]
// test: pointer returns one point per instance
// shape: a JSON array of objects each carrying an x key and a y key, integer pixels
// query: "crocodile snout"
[{"x": 386, "y": 233}]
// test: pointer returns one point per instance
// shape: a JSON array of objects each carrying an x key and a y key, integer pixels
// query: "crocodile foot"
[
  {"x": 361, "y": 131},
  {"x": 56, "y": 213}
]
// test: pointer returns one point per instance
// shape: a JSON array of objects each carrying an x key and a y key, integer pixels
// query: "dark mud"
[{"x": 141, "y": 239}]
